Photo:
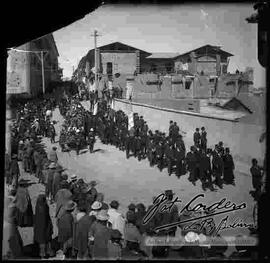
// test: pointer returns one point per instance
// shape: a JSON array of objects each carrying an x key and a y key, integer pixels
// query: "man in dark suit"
[
  {"x": 197, "y": 138},
  {"x": 218, "y": 167},
  {"x": 206, "y": 171},
  {"x": 203, "y": 139}
]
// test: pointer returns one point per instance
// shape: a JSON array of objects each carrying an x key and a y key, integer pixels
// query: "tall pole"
[
  {"x": 42, "y": 68},
  {"x": 96, "y": 66}
]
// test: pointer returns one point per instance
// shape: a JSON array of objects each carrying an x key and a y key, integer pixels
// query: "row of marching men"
[{"x": 210, "y": 166}]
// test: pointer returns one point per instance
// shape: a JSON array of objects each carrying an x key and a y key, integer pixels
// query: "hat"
[
  {"x": 52, "y": 166},
  {"x": 202, "y": 128},
  {"x": 93, "y": 183},
  {"x": 116, "y": 234},
  {"x": 54, "y": 148},
  {"x": 73, "y": 177},
  {"x": 96, "y": 205},
  {"x": 114, "y": 204},
  {"x": 132, "y": 207},
  {"x": 14, "y": 156},
  {"x": 20, "y": 142},
  {"x": 102, "y": 215},
  {"x": 169, "y": 192},
  {"x": 22, "y": 181},
  {"x": 131, "y": 216},
  {"x": 77, "y": 130},
  {"x": 91, "y": 129},
  {"x": 70, "y": 205}
]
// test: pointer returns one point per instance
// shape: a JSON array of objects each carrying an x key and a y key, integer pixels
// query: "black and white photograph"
[{"x": 138, "y": 132}]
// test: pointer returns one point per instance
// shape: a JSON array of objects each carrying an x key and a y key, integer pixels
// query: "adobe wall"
[{"x": 242, "y": 138}]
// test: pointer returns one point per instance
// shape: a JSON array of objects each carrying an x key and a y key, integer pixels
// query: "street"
[{"x": 131, "y": 181}]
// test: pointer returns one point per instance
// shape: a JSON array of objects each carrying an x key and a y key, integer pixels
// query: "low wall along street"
[{"x": 241, "y": 138}]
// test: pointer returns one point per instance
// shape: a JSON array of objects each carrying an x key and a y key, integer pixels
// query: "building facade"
[
  {"x": 206, "y": 60},
  {"x": 25, "y": 66}
]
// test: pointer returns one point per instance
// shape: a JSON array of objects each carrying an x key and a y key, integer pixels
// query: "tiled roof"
[{"x": 163, "y": 55}]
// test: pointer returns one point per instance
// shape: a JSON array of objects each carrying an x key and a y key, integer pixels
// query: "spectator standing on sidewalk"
[
  {"x": 14, "y": 171},
  {"x": 15, "y": 240},
  {"x": 23, "y": 203},
  {"x": 43, "y": 228},
  {"x": 52, "y": 156}
]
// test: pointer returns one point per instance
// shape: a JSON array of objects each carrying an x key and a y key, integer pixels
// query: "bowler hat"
[
  {"x": 70, "y": 205},
  {"x": 169, "y": 192},
  {"x": 114, "y": 204},
  {"x": 93, "y": 183},
  {"x": 102, "y": 215},
  {"x": 132, "y": 206}
]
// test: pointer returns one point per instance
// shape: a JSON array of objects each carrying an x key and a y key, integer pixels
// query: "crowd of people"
[
  {"x": 210, "y": 166},
  {"x": 87, "y": 226}
]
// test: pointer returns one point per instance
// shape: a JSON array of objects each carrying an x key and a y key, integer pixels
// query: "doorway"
[{"x": 109, "y": 68}]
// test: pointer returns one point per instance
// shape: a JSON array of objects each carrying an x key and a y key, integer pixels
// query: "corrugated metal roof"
[{"x": 163, "y": 55}]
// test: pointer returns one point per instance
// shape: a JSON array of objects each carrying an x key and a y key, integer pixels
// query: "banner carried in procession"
[
  {"x": 95, "y": 109},
  {"x": 17, "y": 72},
  {"x": 130, "y": 120}
]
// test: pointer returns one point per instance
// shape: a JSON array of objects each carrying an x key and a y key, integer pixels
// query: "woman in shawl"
[
  {"x": 43, "y": 228},
  {"x": 61, "y": 198},
  {"x": 23, "y": 203},
  {"x": 65, "y": 226},
  {"x": 14, "y": 240},
  {"x": 82, "y": 225},
  {"x": 14, "y": 170},
  {"x": 99, "y": 236}
]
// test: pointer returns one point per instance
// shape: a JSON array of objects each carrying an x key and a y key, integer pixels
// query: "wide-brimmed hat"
[
  {"x": 102, "y": 215},
  {"x": 96, "y": 205},
  {"x": 52, "y": 166},
  {"x": 70, "y": 205},
  {"x": 116, "y": 234},
  {"x": 73, "y": 177},
  {"x": 23, "y": 182},
  {"x": 169, "y": 192}
]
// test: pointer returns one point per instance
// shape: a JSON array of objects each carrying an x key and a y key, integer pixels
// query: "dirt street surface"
[{"x": 128, "y": 180}]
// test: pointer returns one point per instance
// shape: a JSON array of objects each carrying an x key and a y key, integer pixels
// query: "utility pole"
[
  {"x": 96, "y": 58},
  {"x": 42, "y": 68}
]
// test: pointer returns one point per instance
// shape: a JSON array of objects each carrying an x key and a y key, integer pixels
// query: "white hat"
[
  {"x": 102, "y": 215},
  {"x": 20, "y": 142},
  {"x": 96, "y": 205},
  {"x": 191, "y": 237},
  {"x": 77, "y": 130},
  {"x": 91, "y": 129}
]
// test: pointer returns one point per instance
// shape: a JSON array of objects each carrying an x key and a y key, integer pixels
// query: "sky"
[{"x": 172, "y": 28}]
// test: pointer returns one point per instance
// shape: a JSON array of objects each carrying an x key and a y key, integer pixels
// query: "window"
[{"x": 187, "y": 84}]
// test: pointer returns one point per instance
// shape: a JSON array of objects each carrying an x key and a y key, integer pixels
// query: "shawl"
[{"x": 22, "y": 198}]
